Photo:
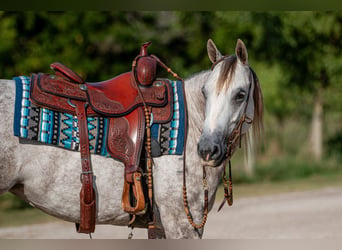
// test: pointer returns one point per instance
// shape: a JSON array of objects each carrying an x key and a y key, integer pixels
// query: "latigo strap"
[{"x": 87, "y": 194}]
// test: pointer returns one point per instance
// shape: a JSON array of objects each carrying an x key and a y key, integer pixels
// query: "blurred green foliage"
[
  {"x": 288, "y": 168},
  {"x": 10, "y": 202}
]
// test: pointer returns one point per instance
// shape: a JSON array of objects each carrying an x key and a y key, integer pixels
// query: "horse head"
[{"x": 233, "y": 102}]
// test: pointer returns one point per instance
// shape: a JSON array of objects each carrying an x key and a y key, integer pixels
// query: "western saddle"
[{"x": 128, "y": 100}]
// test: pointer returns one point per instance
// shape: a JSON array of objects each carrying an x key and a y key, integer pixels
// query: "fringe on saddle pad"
[{"x": 61, "y": 129}]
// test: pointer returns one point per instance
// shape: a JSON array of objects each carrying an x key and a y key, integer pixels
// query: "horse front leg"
[
  {"x": 176, "y": 224},
  {"x": 168, "y": 195}
]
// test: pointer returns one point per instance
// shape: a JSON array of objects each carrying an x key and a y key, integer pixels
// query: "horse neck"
[
  {"x": 196, "y": 114},
  {"x": 196, "y": 105}
]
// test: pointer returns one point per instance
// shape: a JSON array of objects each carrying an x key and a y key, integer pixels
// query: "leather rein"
[{"x": 227, "y": 183}]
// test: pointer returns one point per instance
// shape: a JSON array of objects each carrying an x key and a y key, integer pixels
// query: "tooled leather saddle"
[{"x": 127, "y": 101}]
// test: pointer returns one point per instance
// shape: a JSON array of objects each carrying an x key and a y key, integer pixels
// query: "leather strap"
[
  {"x": 218, "y": 61},
  {"x": 87, "y": 194}
]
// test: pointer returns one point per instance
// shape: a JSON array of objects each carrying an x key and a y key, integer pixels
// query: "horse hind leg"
[
  {"x": 7, "y": 182},
  {"x": 9, "y": 146},
  {"x": 158, "y": 233},
  {"x": 10, "y": 162}
]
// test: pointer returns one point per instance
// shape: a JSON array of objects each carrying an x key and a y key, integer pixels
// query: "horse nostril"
[
  {"x": 204, "y": 151},
  {"x": 216, "y": 152},
  {"x": 209, "y": 151}
]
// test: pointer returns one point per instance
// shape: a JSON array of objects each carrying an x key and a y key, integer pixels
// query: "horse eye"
[{"x": 240, "y": 96}]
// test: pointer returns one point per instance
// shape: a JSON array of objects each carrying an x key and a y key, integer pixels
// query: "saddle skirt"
[{"x": 61, "y": 129}]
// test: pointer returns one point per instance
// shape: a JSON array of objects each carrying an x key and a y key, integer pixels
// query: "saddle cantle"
[{"x": 126, "y": 100}]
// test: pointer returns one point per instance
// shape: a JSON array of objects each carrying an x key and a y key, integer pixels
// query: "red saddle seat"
[
  {"x": 119, "y": 96},
  {"x": 115, "y": 97}
]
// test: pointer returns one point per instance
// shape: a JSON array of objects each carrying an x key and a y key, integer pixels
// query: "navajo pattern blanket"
[{"x": 61, "y": 129}]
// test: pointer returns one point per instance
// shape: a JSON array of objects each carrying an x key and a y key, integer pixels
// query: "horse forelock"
[{"x": 226, "y": 74}]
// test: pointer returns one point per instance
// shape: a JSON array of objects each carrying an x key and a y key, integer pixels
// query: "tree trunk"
[{"x": 316, "y": 140}]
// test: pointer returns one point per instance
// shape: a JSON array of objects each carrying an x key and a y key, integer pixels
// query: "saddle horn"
[{"x": 144, "y": 66}]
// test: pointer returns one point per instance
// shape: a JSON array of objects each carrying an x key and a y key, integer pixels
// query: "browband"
[{"x": 218, "y": 61}]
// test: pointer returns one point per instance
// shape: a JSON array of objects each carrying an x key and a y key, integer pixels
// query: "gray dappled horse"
[{"x": 217, "y": 99}]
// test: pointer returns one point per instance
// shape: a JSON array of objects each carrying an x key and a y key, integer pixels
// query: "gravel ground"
[{"x": 297, "y": 215}]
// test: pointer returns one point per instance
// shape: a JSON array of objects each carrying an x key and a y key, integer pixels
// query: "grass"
[
  {"x": 287, "y": 175},
  {"x": 283, "y": 169},
  {"x": 314, "y": 182},
  {"x": 14, "y": 212},
  {"x": 23, "y": 217}
]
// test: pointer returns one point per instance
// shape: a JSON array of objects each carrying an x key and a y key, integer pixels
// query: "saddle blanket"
[{"x": 61, "y": 129}]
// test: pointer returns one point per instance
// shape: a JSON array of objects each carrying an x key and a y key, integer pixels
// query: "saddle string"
[{"x": 169, "y": 70}]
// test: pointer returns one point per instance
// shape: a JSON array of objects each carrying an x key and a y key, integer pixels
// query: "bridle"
[{"x": 233, "y": 139}]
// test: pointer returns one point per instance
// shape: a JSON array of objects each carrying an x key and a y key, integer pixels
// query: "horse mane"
[
  {"x": 258, "y": 127},
  {"x": 252, "y": 139},
  {"x": 227, "y": 72}
]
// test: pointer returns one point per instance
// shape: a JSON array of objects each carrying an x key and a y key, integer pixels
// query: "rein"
[{"x": 227, "y": 183}]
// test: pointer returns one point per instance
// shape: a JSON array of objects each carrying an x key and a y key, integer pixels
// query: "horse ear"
[
  {"x": 213, "y": 53},
  {"x": 241, "y": 52}
]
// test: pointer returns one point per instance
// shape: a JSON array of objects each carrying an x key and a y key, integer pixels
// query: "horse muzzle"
[{"x": 212, "y": 150}]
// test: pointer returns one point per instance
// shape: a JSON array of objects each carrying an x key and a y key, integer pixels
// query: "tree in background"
[
  {"x": 296, "y": 54},
  {"x": 308, "y": 47},
  {"x": 100, "y": 45}
]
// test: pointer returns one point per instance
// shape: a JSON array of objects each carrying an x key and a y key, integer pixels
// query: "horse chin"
[{"x": 211, "y": 163}]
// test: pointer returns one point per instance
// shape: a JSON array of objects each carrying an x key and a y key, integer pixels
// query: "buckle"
[{"x": 82, "y": 173}]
